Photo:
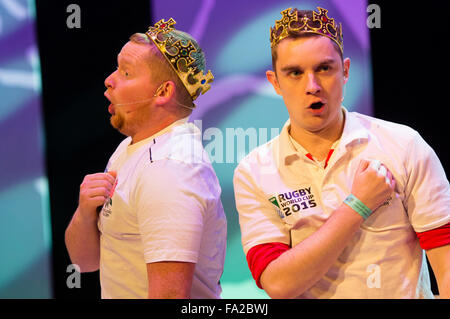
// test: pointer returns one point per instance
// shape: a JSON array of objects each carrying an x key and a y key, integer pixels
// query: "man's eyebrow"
[
  {"x": 327, "y": 61},
  {"x": 289, "y": 68}
]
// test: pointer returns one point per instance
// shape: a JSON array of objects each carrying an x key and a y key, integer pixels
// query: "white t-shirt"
[
  {"x": 165, "y": 207},
  {"x": 283, "y": 196}
]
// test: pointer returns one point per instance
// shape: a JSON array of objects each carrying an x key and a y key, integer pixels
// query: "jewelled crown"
[
  {"x": 317, "y": 22},
  {"x": 180, "y": 57}
]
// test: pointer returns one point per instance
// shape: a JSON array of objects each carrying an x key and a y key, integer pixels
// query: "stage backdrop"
[
  {"x": 242, "y": 110},
  {"x": 25, "y": 232}
]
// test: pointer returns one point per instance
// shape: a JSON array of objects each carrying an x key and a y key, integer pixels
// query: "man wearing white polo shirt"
[
  {"x": 153, "y": 223},
  {"x": 339, "y": 205}
]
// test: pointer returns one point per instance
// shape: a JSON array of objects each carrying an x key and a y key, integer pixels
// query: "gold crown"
[
  {"x": 179, "y": 57},
  {"x": 318, "y": 23}
]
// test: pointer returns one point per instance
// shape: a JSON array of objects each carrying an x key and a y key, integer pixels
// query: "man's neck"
[
  {"x": 318, "y": 144},
  {"x": 151, "y": 130}
]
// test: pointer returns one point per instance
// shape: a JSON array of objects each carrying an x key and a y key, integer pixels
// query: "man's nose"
[
  {"x": 312, "y": 84},
  {"x": 109, "y": 82}
]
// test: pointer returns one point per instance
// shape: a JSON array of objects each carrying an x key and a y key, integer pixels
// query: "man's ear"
[
  {"x": 165, "y": 92},
  {"x": 272, "y": 78},
  {"x": 346, "y": 69}
]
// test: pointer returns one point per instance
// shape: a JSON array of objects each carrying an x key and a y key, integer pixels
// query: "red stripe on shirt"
[
  {"x": 309, "y": 155},
  {"x": 435, "y": 237},
  {"x": 328, "y": 157},
  {"x": 260, "y": 256}
]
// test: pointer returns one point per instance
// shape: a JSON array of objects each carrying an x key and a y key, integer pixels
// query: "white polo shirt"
[
  {"x": 165, "y": 207},
  {"x": 283, "y": 196}
]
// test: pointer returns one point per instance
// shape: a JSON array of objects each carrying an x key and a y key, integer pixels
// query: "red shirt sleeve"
[
  {"x": 435, "y": 237},
  {"x": 259, "y": 256}
]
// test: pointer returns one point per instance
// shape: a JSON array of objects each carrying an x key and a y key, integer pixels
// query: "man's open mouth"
[{"x": 316, "y": 105}]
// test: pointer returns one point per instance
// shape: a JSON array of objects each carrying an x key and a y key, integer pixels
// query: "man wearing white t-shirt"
[
  {"x": 153, "y": 222},
  {"x": 339, "y": 205}
]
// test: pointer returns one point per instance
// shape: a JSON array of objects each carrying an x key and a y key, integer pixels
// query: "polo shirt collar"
[{"x": 354, "y": 132}]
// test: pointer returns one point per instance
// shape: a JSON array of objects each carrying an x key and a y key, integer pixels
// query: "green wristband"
[{"x": 358, "y": 206}]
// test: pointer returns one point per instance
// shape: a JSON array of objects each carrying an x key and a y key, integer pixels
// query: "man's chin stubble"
[{"x": 117, "y": 122}]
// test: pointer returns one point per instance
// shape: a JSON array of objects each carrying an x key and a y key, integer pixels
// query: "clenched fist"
[
  {"x": 372, "y": 184},
  {"x": 94, "y": 190}
]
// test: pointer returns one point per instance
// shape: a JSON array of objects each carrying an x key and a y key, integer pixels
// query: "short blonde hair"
[{"x": 162, "y": 71}]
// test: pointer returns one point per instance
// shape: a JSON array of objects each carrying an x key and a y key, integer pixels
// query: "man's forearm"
[
  {"x": 444, "y": 286},
  {"x": 301, "y": 267},
  {"x": 439, "y": 258},
  {"x": 83, "y": 243}
]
